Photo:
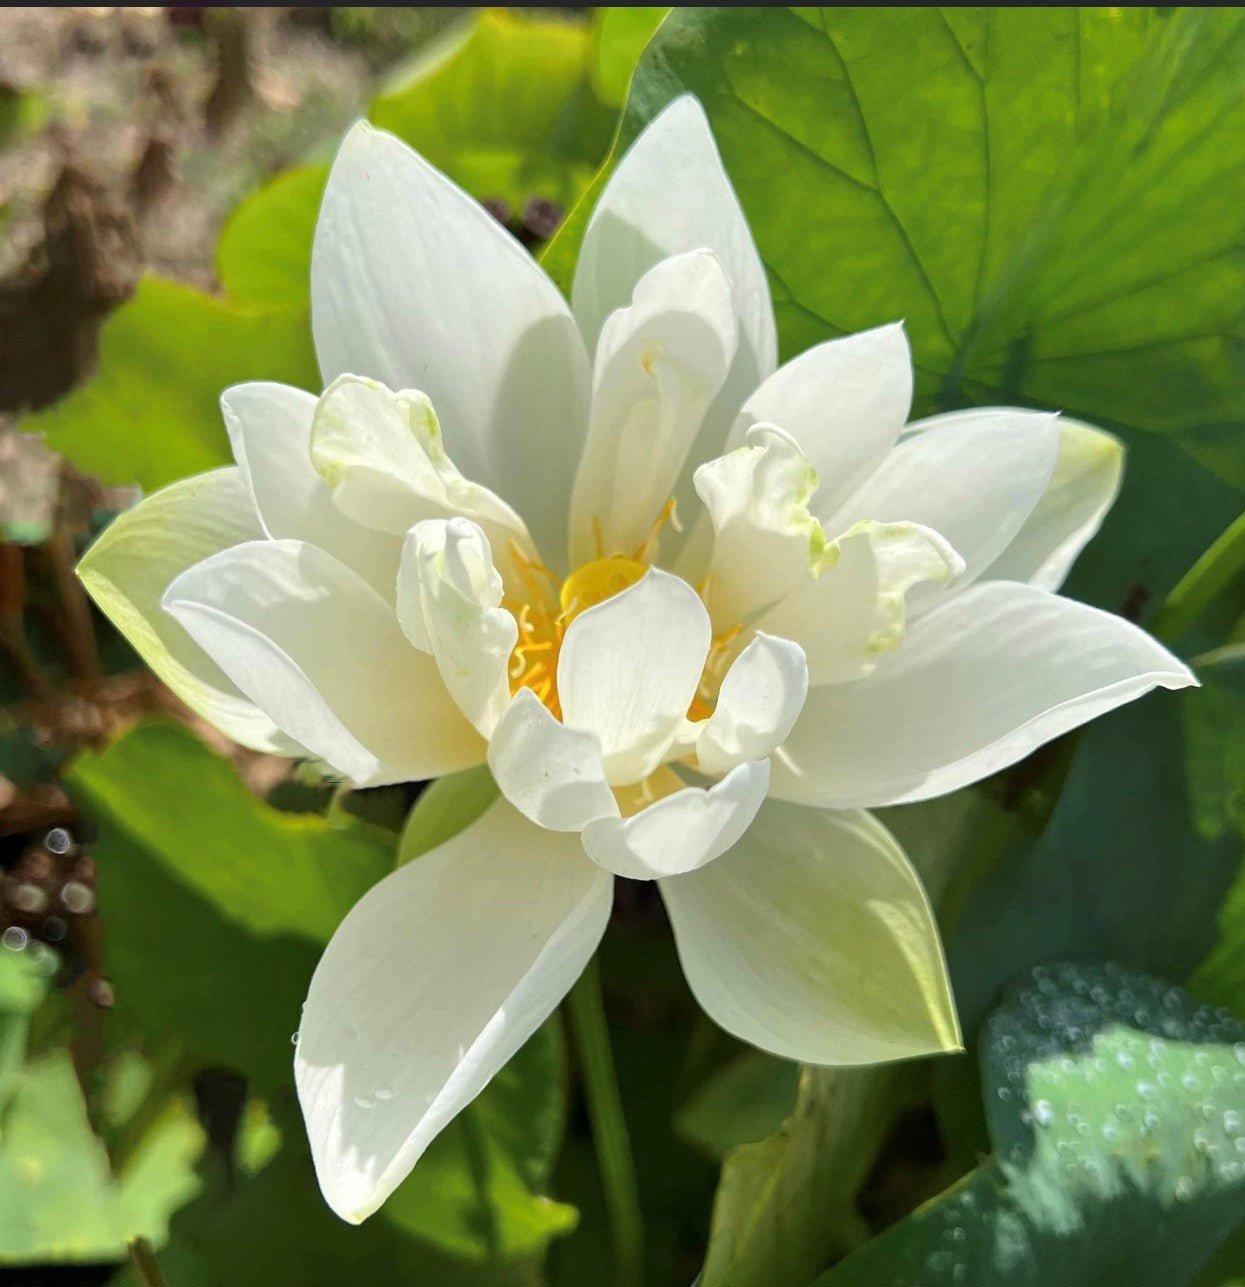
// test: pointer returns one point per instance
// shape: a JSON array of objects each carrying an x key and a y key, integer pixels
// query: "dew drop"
[
  {"x": 383, "y": 1094},
  {"x": 1043, "y": 1113},
  {"x": 362, "y": 1101}
]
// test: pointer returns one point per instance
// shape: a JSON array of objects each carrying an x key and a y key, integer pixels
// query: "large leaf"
[
  {"x": 1053, "y": 200},
  {"x": 277, "y": 1229},
  {"x": 264, "y": 252},
  {"x": 58, "y": 1198},
  {"x": 1118, "y": 872},
  {"x": 151, "y": 413},
  {"x": 503, "y": 105},
  {"x": 1117, "y": 1113},
  {"x": 273, "y": 872},
  {"x": 1215, "y": 724},
  {"x": 619, "y": 34}
]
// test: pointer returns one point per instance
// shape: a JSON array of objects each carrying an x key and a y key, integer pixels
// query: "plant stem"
[
  {"x": 143, "y": 1261},
  {"x": 609, "y": 1127},
  {"x": 1201, "y": 583}
]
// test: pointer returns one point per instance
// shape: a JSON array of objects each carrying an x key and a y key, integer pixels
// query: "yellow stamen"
[{"x": 542, "y": 625}]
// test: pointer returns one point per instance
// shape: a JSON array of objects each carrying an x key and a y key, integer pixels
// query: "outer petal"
[
  {"x": 1084, "y": 487},
  {"x": 431, "y": 984},
  {"x": 382, "y": 456},
  {"x": 844, "y": 401},
  {"x": 669, "y": 194},
  {"x": 813, "y": 939},
  {"x": 974, "y": 478},
  {"x": 320, "y": 652},
  {"x": 629, "y": 668},
  {"x": 659, "y": 364},
  {"x": 989, "y": 676},
  {"x": 270, "y": 430},
  {"x": 552, "y": 774},
  {"x": 765, "y": 541},
  {"x": 853, "y": 612},
  {"x": 448, "y": 604},
  {"x": 127, "y": 570},
  {"x": 758, "y": 704},
  {"x": 682, "y": 831},
  {"x": 414, "y": 284}
]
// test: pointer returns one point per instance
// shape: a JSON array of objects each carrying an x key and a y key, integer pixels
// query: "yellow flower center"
[
  {"x": 595, "y": 582},
  {"x": 542, "y": 624},
  {"x": 534, "y": 662}
]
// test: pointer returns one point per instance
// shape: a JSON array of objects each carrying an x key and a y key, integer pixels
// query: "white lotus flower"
[{"x": 858, "y": 613}]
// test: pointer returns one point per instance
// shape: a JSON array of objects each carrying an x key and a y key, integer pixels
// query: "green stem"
[
  {"x": 609, "y": 1127},
  {"x": 1201, "y": 583},
  {"x": 143, "y": 1262}
]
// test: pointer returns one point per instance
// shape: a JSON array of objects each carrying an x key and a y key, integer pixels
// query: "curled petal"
[
  {"x": 449, "y": 597},
  {"x": 854, "y": 610},
  {"x": 844, "y": 401},
  {"x": 552, "y": 774},
  {"x": 683, "y": 830},
  {"x": 758, "y": 704},
  {"x": 270, "y": 430},
  {"x": 974, "y": 478},
  {"x": 659, "y": 364},
  {"x": 765, "y": 540}
]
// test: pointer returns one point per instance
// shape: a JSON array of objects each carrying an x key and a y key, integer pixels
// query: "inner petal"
[{"x": 660, "y": 363}]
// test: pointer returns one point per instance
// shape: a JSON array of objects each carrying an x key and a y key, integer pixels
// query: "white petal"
[
  {"x": 382, "y": 456},
  {"x": 448, "y": 604},
  {"x": 430, "y": 985},
  {"x": 844, "y": 402},
  {"x": 414, "y": 284},
  {"x": 973, "y": 477},
  {"x": 765, "y": 541},
  {"x": 270, "y": 430},
  {"x": 853, "y": 611},
  {"x": 129, "y": 567},
  {"x": 813, "y": 939},
  {"x": 979, "y": 683},
  {"x": 1083, "y": 488},
  {"x": 319, "y": 650},
  {"x": 552, "y": 774},
  {"x": 659, "y": 364},
  {"x": 681, "y": 831},
  {"x": 629, "y": 668},
  {"x": 670, "y": 194},
  {"x": 758, "y": 704}
]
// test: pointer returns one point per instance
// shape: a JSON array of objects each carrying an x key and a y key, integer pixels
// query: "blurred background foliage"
[{"x": 1054, "y": 201}]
